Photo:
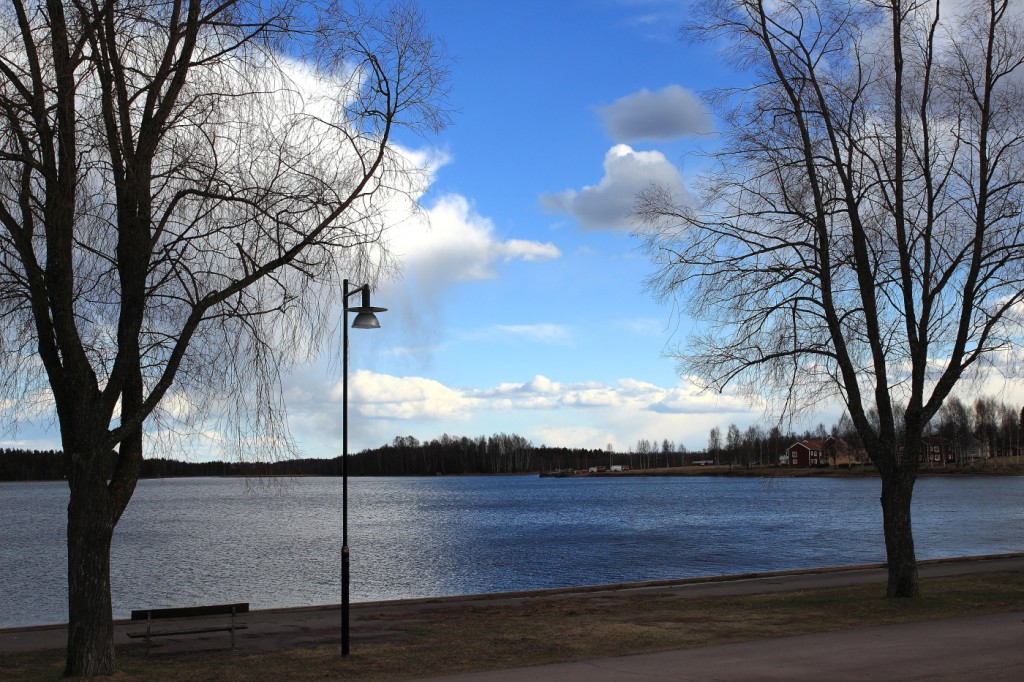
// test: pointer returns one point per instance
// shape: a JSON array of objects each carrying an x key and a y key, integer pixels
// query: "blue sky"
[
  {"x": 525, "y": 309},
  {"x": 522, "y": 309}
]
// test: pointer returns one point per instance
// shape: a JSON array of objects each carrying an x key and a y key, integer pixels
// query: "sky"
[
  {"x": 523, "y": 309},
  {"x": 521, "y": 305}
]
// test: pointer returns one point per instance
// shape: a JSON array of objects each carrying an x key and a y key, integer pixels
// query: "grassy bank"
[{"x": 480, "y": 636}]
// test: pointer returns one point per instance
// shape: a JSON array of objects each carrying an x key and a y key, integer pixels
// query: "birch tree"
[
  {"x": 859, "y": 234},
  {"x": 183, "y": 186}
]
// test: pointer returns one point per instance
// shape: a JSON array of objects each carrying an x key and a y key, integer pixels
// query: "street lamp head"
[
  {"x": 366, "y": 317},
  {"x": 365, "y": 320}
]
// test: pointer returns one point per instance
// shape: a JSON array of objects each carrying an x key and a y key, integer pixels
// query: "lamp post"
[{"x": 366, "y": 318}]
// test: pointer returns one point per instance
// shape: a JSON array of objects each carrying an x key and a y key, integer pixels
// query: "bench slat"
[
  {"x": 190, "y": 611},
  {"x": 195, "y": 631}
]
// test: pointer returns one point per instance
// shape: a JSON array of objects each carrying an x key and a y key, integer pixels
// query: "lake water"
[{"x": 198, "y": 541}]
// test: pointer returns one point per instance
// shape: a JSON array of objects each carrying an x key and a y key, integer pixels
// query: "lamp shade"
[
  {"x": 365, "y": 320},
  {"x": 366, "y": 317}
]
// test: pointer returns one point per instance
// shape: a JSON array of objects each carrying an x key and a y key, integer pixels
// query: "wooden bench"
[{"x": 149, "y": 615}]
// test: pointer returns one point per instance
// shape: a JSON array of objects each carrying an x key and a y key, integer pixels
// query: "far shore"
[
  {"x": 990, "y": 468},
  {"x": 983, "y": 468}
]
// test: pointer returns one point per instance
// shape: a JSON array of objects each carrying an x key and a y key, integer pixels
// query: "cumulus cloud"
[
  {"x": 382, "y": 395},
  {"x": 526, "y": 250},
  {"x": 454, "y": 243},
  {"x": 385, "y": 396},
  {"x": 448, "y": 243},
  {"x": 546, "y": 411},
  {"x": 667, "y": 114},
  {"x": 686, "y": 398},
  {"x": 584, "y": 414},
  {"x": 610, "y": 203}
]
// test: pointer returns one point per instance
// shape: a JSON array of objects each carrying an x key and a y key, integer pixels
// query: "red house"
[
  {"x": 807, "y": 453},
  {"x": 937, "y": 450}
]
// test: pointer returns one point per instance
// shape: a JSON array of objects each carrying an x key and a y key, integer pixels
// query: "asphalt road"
[{"x": 972, "y": 648}]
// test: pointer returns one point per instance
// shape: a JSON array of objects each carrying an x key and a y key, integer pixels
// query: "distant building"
[
  {"x": 818, "y": 452},
  {"x": 809, "y": 452},
  {"x": 841, "y": 453},
  {"x": 938, "y": 450},
  {"x": 972, "y": 449}
]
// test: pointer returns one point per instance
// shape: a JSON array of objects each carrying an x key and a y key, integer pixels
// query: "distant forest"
[
  {"x": 405, "y": 456},
  {"x": 996, "y": 425}
]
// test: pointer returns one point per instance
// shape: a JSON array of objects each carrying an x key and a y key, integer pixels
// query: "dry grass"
[{"x": 481, "y": 636}]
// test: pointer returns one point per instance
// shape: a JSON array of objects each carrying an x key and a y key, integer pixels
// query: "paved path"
[
  {"x": 972, "y": 648},
  {"x": 987, "y": 648}
]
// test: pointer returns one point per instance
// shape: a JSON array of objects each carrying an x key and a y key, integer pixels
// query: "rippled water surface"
[{"x": 197, "y": 541}]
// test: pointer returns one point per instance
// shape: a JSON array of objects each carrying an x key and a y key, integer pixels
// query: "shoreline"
[
  {"x": 692, "y": 470},
  {"x": 859, "y": 471},
  {"x": 720, "y": 581},
  {"x": 807, "y": 627}
]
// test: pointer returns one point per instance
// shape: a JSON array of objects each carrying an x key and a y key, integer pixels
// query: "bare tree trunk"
[
  {"x": 90, "y": 626},
  {"x": 897, "y": 492}
]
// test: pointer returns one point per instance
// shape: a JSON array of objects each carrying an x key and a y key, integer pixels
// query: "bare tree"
[
  {"x": 986, "y": 424},
  {"x": 714, "y": 443},
  {"x": 733, "y": 441},
  {"x": 1007, "y": 430},
  {"x": 667, "y": 448},
  {"x": 183, "y": 186},
  {"x": 753, "y": 445},
  {"x": 861, "y": 233},
  {"x": 954, "y": 424},
  {"x": 644, "y": 448}
]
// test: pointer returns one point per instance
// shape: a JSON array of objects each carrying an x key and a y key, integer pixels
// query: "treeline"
[
  {"x": 501, "y": 453},
  {"x": 31, "y": 465},
  {"x": 404, "y": 456},
  {"x": 49, "y": 465},
  {"x": 988, "y": 427},
  {"x": 752, "y": 446},
  {"x": 991, "y": 425}
]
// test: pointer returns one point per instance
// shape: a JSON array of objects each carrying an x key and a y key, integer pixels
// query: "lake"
[{"x": 276, "y": 544}]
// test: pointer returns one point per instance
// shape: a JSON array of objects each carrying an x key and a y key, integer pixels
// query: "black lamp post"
[{"x": 366, "y": 318}]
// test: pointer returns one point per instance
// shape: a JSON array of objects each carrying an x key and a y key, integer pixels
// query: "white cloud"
[
  {"x": 588, "y": 414},
  {"x": 574, "y": 436},
  {"x": 447, "y": 244},
  {"x": 411, "y": 397},
  {"x": 384, "y": 396},
  {"x": 529, "y": 251},
  {"x": 686, "y": 398},
  {"x": 453, "y": 243},
  {"x": 591, "y": 397},
  {"x": 610, "y": 203},
  {"x": 178, "y": 406},
  {"x": 668, "y": 114},
  {"x": 541, "y": 384}
]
